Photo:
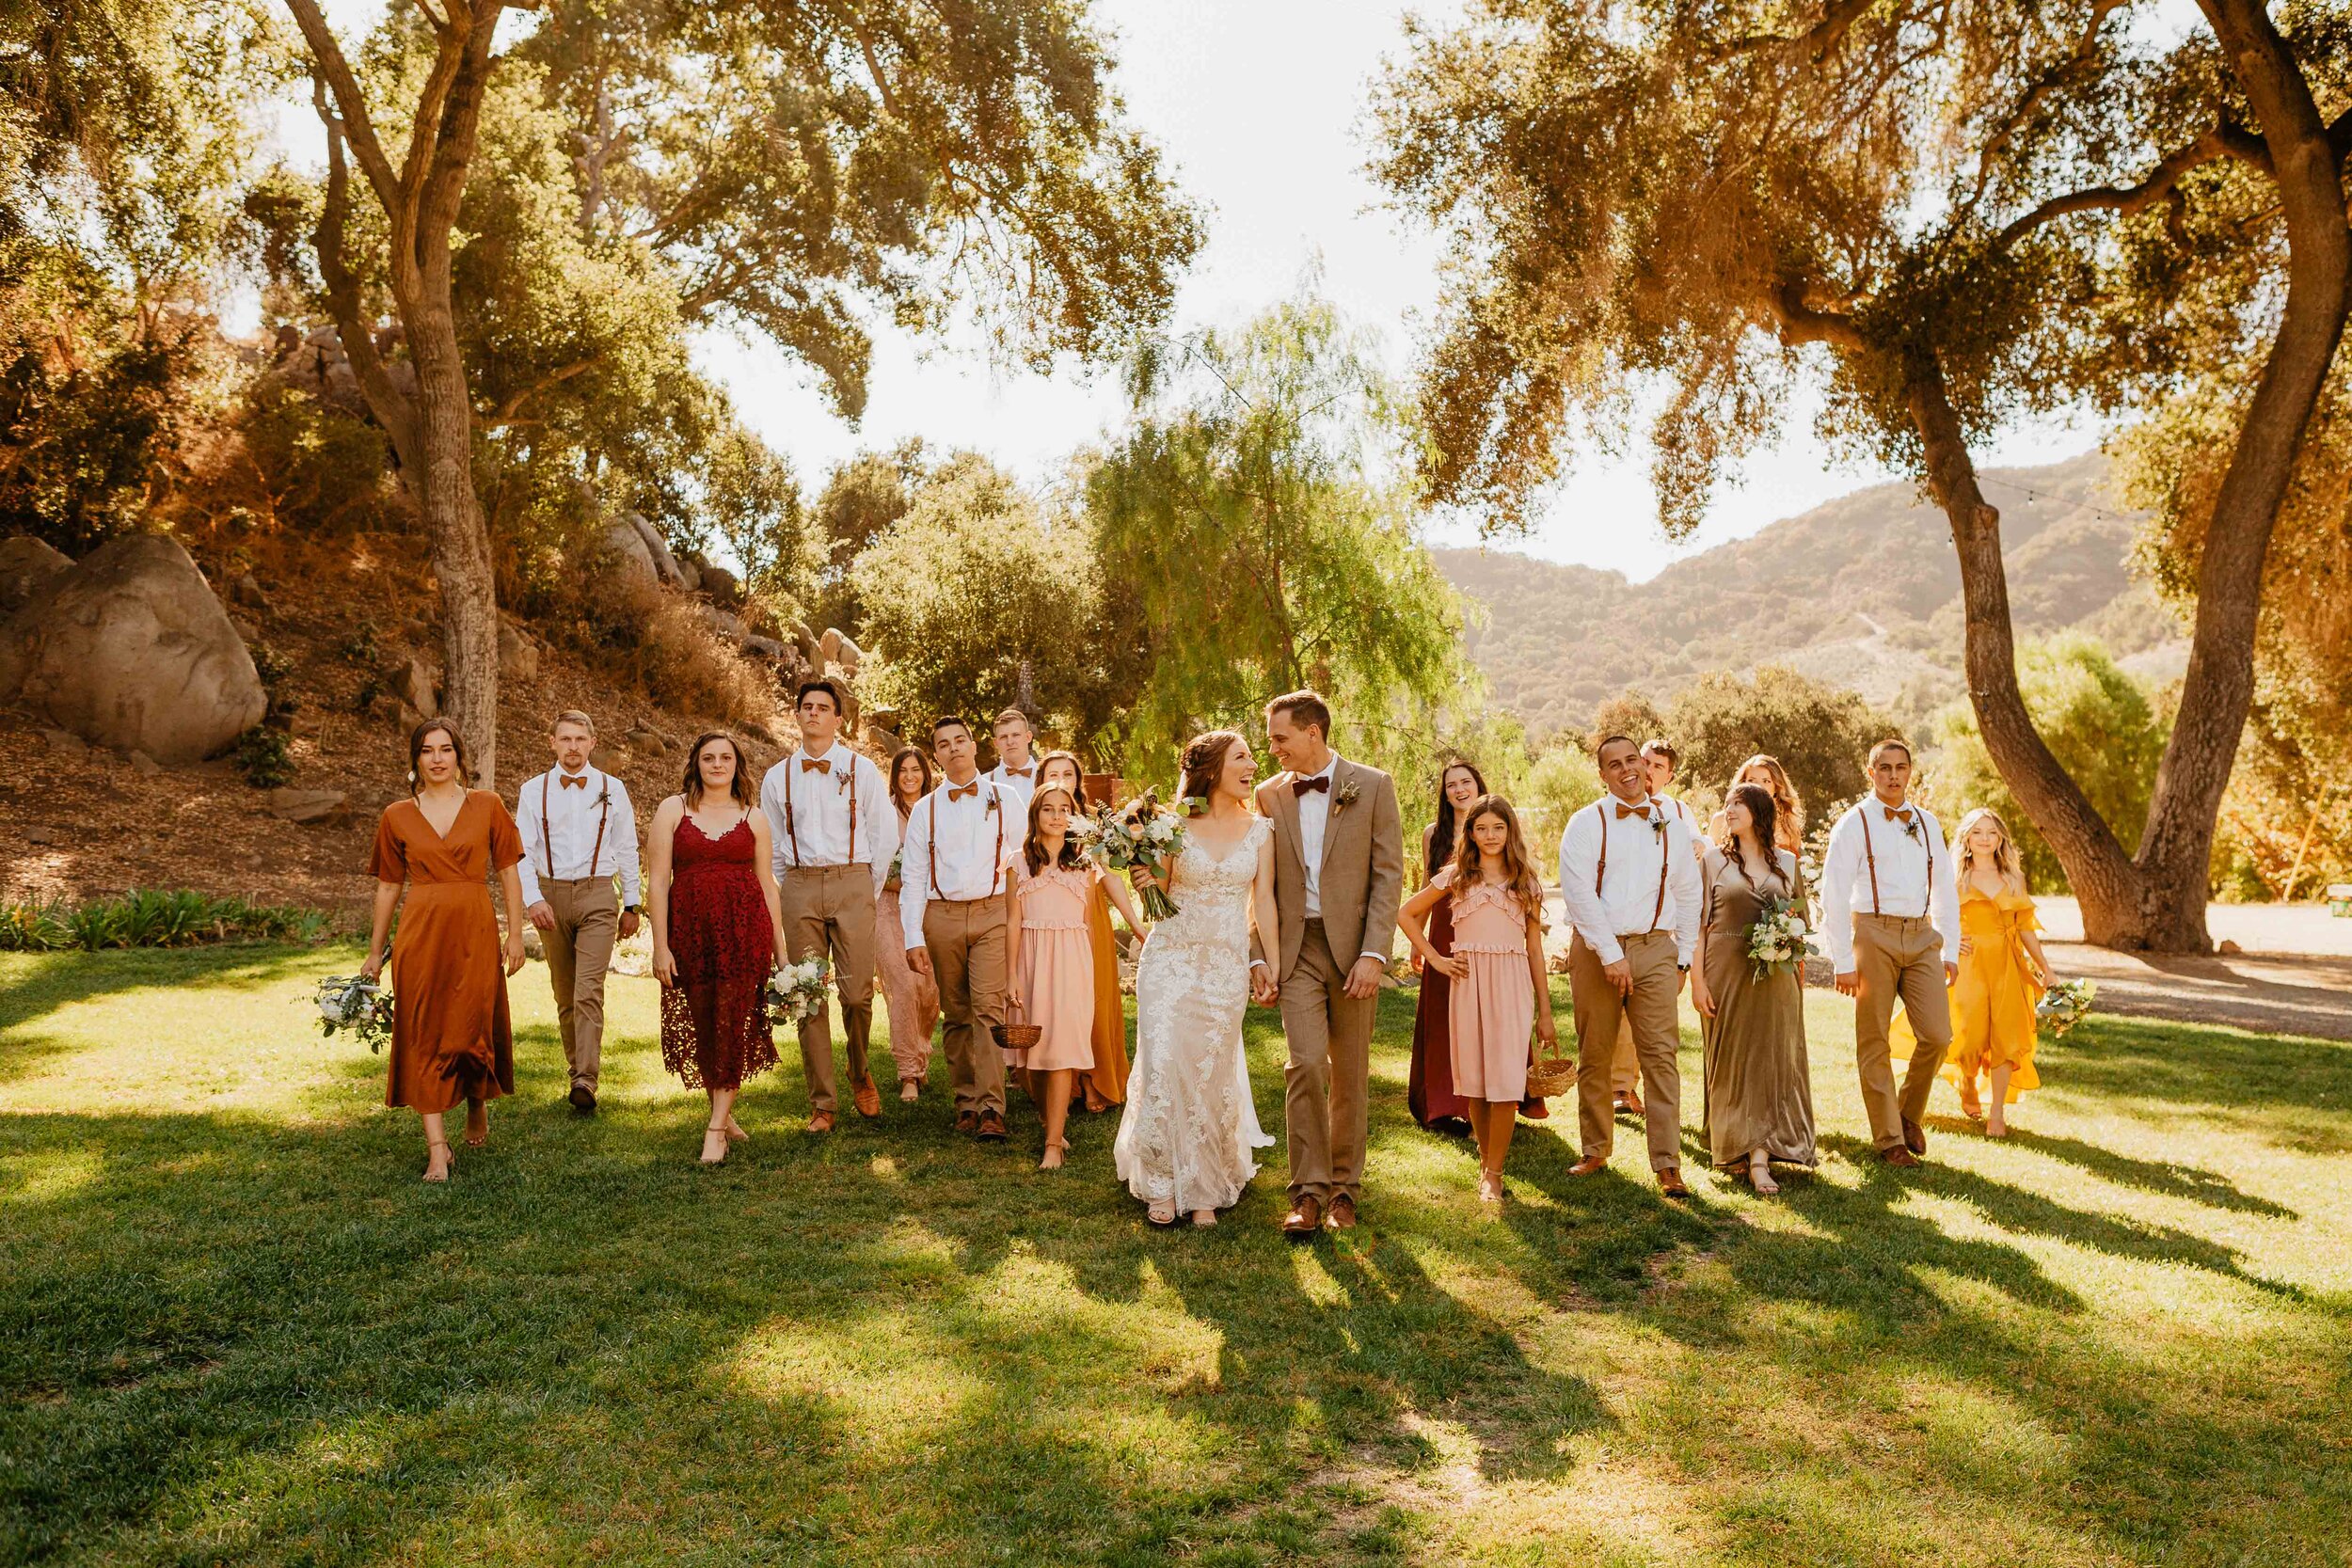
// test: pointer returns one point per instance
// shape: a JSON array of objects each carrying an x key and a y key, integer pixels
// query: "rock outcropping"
[{"x": 130, "y": 648}]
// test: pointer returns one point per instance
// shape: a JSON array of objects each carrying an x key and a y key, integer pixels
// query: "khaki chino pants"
[
  {"x": 1650, "y": 1013},
  {"x": 580, "y": 951},
  {"x": 1327, "y": 1078},
  {"x": 829, "y": 910},
  {"x": 968, "y": 943},
  {"x": 1898, "y": 959}
]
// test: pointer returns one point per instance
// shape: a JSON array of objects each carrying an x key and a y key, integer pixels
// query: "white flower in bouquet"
[
  {"x": 356, "y": 1002},
  {"x": 1779, "y": 940},
  {"x": 796, "y": 992},
  {"x": 2064, "y": 1004},
  {"x": 1138, "y": 833}
]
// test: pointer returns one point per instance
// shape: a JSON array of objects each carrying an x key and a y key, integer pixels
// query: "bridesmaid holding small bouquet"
[{"x": 452, "y": 1038}]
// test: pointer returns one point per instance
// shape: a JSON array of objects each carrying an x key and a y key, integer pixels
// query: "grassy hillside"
[{"x": 1863, "y": 592}]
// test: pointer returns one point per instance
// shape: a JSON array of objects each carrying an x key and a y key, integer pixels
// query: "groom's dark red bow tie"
[{"x": 1300, "y": 786}]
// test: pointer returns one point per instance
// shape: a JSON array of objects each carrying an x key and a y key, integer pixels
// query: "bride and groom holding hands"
[{"x": 1293, "y": 902}]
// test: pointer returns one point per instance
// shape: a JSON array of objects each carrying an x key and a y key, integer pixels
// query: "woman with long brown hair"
[
  {"x": 913, "y": 999},
  {"x": 1788, "y": 809},
  {"x": 718, "y": 925},
  {"x": 1104, "y": 1084},
  {"x": 1429, "y": 1091},
  {"x": 1498, "y": 990},
  {"x": 452, "y": 1038},
  {"x": 1758, "y": 1086}
]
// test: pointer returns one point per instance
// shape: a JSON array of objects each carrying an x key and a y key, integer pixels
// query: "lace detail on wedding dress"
[{"x": 1189, "y": 1125}]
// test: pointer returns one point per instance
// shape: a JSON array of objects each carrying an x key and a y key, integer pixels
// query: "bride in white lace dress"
[{"x": 1187, "y": 1137}]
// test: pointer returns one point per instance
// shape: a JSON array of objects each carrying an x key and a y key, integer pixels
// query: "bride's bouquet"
[
  {"x": 356, "y": 1002},
  {"x": 796, "y": 992},
  {"x": 1137, "y": 833},
  {"x": 2064, "y": 1006},
  {"x": 1779, "y": 940}
]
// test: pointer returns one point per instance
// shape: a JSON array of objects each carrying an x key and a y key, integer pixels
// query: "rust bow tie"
[
  {"x": 568, "y": 781},
  {"x": 956, "y": 794},
  {"x": 817, "y": 765},
  {"x": 1019, "y": 772},
  {"x": 1300, "y": 786},
  {"x": 1893, "y": 816},
  {"x": 1625, "y": 811}
]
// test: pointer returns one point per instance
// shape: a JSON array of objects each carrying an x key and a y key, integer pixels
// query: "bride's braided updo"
[{"x": 1204, "y": 761}]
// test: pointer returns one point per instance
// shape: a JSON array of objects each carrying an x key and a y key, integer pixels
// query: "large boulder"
[
  {"x": 28, "y": 565},
  {"x": 626, "y": 548},
  {"x": 131, "y": 649}
]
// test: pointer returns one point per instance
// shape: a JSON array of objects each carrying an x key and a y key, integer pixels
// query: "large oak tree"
[
  {"x": 780, "y": 166},
  {"x": 1953, "y": 210}
]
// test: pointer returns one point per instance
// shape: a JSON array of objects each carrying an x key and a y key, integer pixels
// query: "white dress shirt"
[
  {"x": 558, "y": 823},
  {"x": 817, "y": 829},
  {"x": 971, "y": 840},
  {"x": 1904, "y": 872},
  {"x": 1628, "y": 901},
  {"x": 1023, "y": 783},
  {"x": 1315, "y": 815}
]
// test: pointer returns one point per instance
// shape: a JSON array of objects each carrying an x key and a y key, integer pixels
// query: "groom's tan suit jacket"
[{"x": 1363, "y": 865}]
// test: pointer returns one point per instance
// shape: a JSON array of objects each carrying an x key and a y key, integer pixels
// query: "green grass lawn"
[{"x": 235, "y": 1328}]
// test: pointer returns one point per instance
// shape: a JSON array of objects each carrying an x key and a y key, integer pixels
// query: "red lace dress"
[{"x": 714, "y": 1021}]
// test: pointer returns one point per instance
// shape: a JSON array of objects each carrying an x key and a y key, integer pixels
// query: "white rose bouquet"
[
  {"x": 2064, "y": 1006},
  {"x": 1779, "y": 940},
  {"x": 1138, "y": 833},
  {"x": 356, "y": 1002},
  {"x": 796, "y": 992}
]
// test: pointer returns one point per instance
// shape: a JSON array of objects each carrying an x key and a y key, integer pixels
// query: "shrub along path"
[{"x": 234, "y": 1327}]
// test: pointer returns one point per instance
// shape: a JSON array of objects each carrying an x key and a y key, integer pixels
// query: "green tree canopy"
[
  {"x": 1822, "y": 735},
  {"x": 1246, "y": 517},
  {"x": 2099, "y": 721},
  {"x": 973, "y": 603}
]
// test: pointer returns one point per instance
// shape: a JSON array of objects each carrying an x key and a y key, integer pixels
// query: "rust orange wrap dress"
[{"x": 451, "y": 1038}]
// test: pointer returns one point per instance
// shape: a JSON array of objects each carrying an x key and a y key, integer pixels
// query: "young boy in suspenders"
[
  {"x": 578, "y": 831},
  {"x": 1890, "y": 909},
  {"x": 832, "y": 831}
]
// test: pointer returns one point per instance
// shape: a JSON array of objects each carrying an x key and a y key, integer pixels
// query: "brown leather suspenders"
[
  {"x": 546, "y": 844},
  {"x": 1926, "y": 911},
  {"x": 931, "y": 845},
  {"x": 790, "y": 767},
  {"x": 1665, "y": 850}
]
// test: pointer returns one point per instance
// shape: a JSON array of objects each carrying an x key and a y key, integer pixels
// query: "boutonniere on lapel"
[
  {"x": 991, "y": 803},
  {"x": 1345, "y": 796},
  {"x": 1658, "y": 824},
  {"x": 604, "y": 795},
  {"x": 1911, "y": 827}
]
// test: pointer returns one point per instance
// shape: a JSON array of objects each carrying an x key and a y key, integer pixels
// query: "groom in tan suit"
[{"x": 1339, "y": 869}]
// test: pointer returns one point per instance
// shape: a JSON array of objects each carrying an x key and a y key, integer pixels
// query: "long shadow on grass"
[
  {"x": 2163, "y": 1179},
  {"x": 2164, "y": 1068}
]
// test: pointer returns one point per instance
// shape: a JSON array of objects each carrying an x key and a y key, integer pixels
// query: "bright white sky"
[{"x": 1260, "y": 106}]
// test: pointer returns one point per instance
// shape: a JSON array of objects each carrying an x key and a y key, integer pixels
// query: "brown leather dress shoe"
[
  {"x": 1534, "y": 1109},
  {"x": 991, "y": 1127},
  {"x": 1914, "y": 1136},
  {"x": 967, "y": 1121},
  {"x": 1670, "y": 1183},
  {"x": 820, "y": 1122},
  {"x": 1589, "y": 1164},
  {"x": 1305, "y": 1219},
  {"x": 1342, "y": 1214},
  {"x": 868, "y": 1098},
  {"x": 1902, "y": 1159}
]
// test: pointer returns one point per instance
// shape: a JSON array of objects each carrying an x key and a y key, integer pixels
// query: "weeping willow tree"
[
  {"x": 1263, "y": 536},
  {"x": 1948, "y": 213}
]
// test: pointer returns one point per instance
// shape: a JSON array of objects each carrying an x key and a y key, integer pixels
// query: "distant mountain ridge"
[{"x": 1861, "y": 593}]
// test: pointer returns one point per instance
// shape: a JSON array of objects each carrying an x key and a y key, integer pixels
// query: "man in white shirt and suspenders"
[
  {"x": 1630, "y": 883},
  {"x": 832, "y": 830},
  {"x": 960, "y": 840},
  {"x": 579, "y": 831},
  {"x": 1890, "y": 908},
  {"x": 1659, "y": 762}
]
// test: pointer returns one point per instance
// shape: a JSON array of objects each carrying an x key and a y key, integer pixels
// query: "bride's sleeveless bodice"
[
  {"x": 1189, "y": 1128},
  {"x": 1211, "y": 895}
]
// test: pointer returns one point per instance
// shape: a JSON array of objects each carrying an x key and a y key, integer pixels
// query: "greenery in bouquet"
[
  {"x": 357, "y": 1004},
  {"x": 796, "y": 992},
  {"x": 1140, "y": 833},
  {"x": 1780, "y": 938},
  {"x": 2064, "y": 1006}
]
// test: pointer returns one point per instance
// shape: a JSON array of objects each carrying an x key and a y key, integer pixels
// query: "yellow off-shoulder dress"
[{"x": 1993, "y": 1001}]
